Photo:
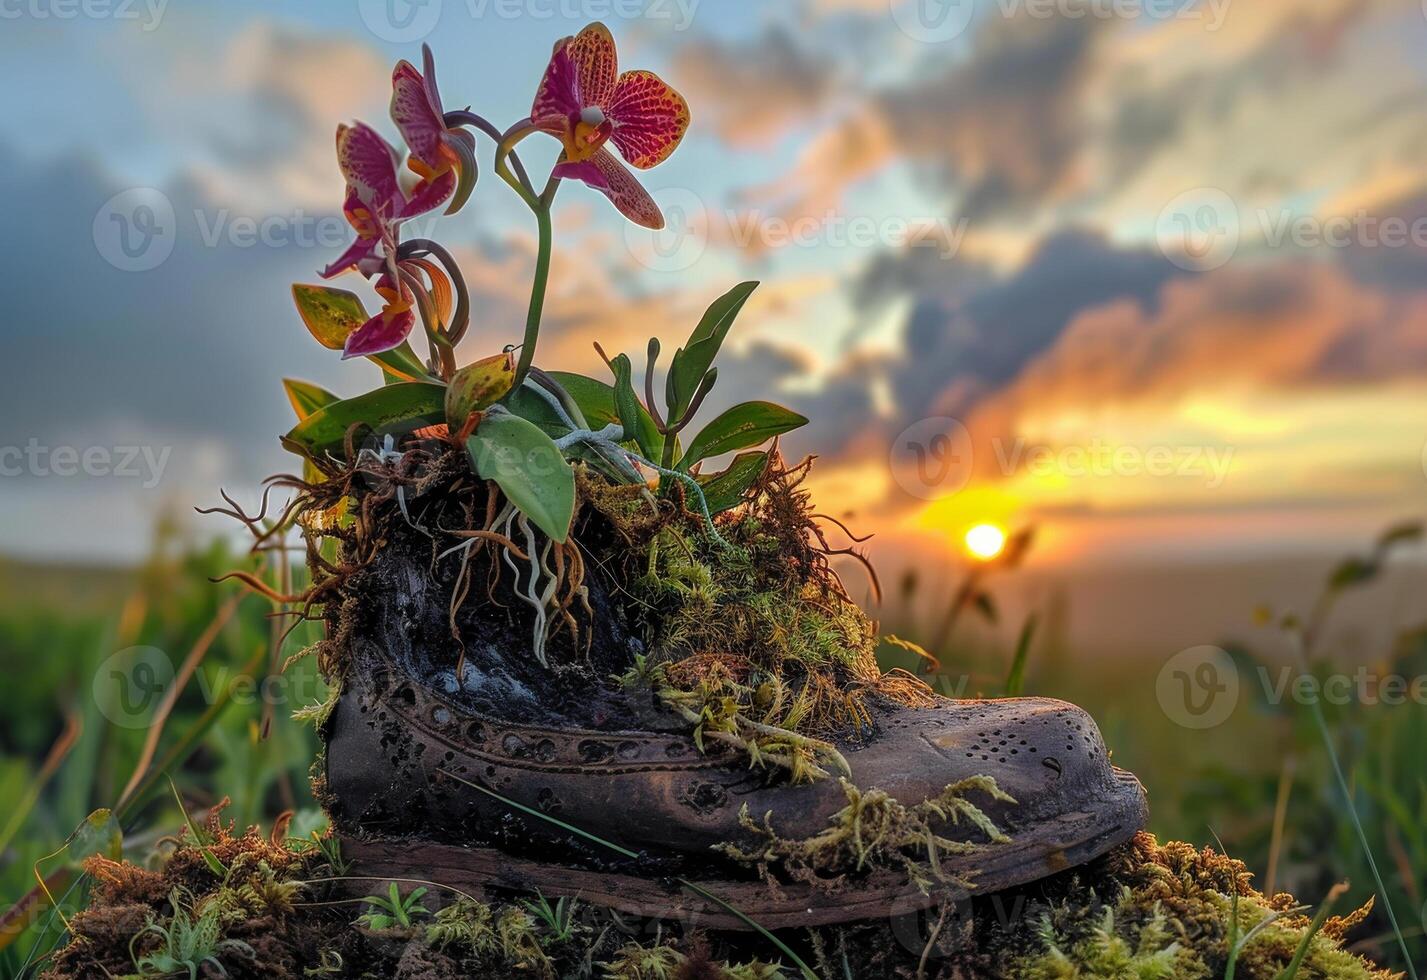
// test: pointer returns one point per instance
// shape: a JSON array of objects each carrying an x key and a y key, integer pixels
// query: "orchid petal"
[
  {"x": 442, "y": 295},
  {"x": 649, "y": 118},
  {"x": 585, "y": 170},
  {"x": 418, "y": 119},
  {"x": 596, "y": 64},
  {"x": 433, "y": 94},
  {"x": 369, "y": 164},
  {"x": 558, "y": 97},
  {"x": 350, "y": 259},
  {"x": 463, "y": 145},
  {"x": 428, "y": 194},
  {"x": 379, "y": 335},
  {"x": 624, "y": 189}
]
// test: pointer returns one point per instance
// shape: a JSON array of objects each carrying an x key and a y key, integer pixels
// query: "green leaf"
[
  {"x": 529, "y": 469},
  {"x": 478, "y": 386},
  {"x": 332, "y": 315},
  {"x": 401, "y": 364},
  {"x": 1352, "y": 571},
  {"x": 394, "y": 409},
  {"x": 1409, "y": 532},
  {"x": 742, "y": 426},
  {"x": 726, "y": 489},
  {"x": 99, "y": 834},
  {"x": 692, "y": 361},
  {"x": 306, "y": 397}
]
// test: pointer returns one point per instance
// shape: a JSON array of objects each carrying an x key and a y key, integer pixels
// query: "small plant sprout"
[
  {"x": 558, "y": 919},
  {"x": 392, "y": 911},
  {"x": 190, "y": 940}
]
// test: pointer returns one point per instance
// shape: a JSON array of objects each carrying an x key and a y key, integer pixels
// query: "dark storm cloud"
[
  {"x": 982, "y": 338},
  {"x": 196, "y": 346}
]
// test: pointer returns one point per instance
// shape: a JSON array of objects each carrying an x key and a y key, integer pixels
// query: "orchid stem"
[
  {"x": 504, "y": 149},
  {"x": 537, "y": 297},
  {"x": 465, "y": 117}
]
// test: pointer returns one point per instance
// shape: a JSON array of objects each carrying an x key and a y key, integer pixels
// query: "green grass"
[{"x": 56, "y": 655}]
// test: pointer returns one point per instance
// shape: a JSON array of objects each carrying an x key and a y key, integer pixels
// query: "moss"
[
  {"x": 665, "y": 962},
  {"x": 753, "y": 636},
  {"x": 1145, "y": 952},
  {"x": 1151, "y": 911},
  {"x": 636, "y": 962},
  {"x": 466, "y": 925},
  {"x": 875, "y": 830},
  {"x": 1144, "y": 911}
]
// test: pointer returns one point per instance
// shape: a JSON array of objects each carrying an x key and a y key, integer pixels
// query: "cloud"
[
  {"x": 754, "y": 91},
  {"x": 1294, "y": 326},
  {"x": 977, "y": 333},
  {"x": 998, "y": 128},
  {"x": 264, "y": 108},
  {"x": 188, "y": 355}
]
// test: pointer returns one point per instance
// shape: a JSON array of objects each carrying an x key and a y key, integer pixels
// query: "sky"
[{"x": 1148, "y": 274}]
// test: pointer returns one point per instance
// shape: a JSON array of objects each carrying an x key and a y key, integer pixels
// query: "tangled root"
[{"x": 354, "y": 510}]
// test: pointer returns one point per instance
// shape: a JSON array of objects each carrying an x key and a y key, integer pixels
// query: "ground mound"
[{"x": 263, "y": 906}]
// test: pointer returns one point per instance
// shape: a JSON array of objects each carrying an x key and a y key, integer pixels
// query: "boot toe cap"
[{"x": 1046, "y": 754}]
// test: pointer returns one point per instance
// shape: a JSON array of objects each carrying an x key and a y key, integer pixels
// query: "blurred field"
[{"x": 1261, "y": 780}]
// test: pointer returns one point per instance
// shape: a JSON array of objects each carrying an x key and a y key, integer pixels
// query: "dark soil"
[{"x": 398, "y": 610}]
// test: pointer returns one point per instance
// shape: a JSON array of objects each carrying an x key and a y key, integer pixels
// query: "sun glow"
[{"x": 985, "y": 541}]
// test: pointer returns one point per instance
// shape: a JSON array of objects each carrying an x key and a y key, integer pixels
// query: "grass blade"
[
  {"x": 200, "y": 840},
  {"x": 1291, "y": 971},
  {"x": 1016, "y": 679},
  {"x": 807, "y": 971},
  {"x": 73, "y": 725},
  {"x": 543, "y": 816},
  {"x": 1325, "y": 733}
]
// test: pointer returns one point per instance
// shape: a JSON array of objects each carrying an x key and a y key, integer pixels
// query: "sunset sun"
[{"x": 985, "y": 541}]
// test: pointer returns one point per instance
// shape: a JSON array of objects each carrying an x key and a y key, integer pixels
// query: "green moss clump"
[
  {"x": 1148, "y": 911},
  {"x": 874, "y": 829},
  {"x": 751, "y": 635}
]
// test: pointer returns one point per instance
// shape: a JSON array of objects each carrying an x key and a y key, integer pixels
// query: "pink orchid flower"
[
  {"x": 584, "y": 102},
  {"x": 436, "y": 149},
  {"x": 376, "y": 202},
  {"x": 389, "y": 327}
]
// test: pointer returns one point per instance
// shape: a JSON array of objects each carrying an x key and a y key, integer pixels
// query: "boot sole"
[{"x": 1048, "y": 847}]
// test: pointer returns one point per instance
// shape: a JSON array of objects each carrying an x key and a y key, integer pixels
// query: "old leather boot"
[{"x": 425, "y": 770}]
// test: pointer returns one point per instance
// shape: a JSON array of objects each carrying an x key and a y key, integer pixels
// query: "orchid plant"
[{"x": 522, "y": 427}]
